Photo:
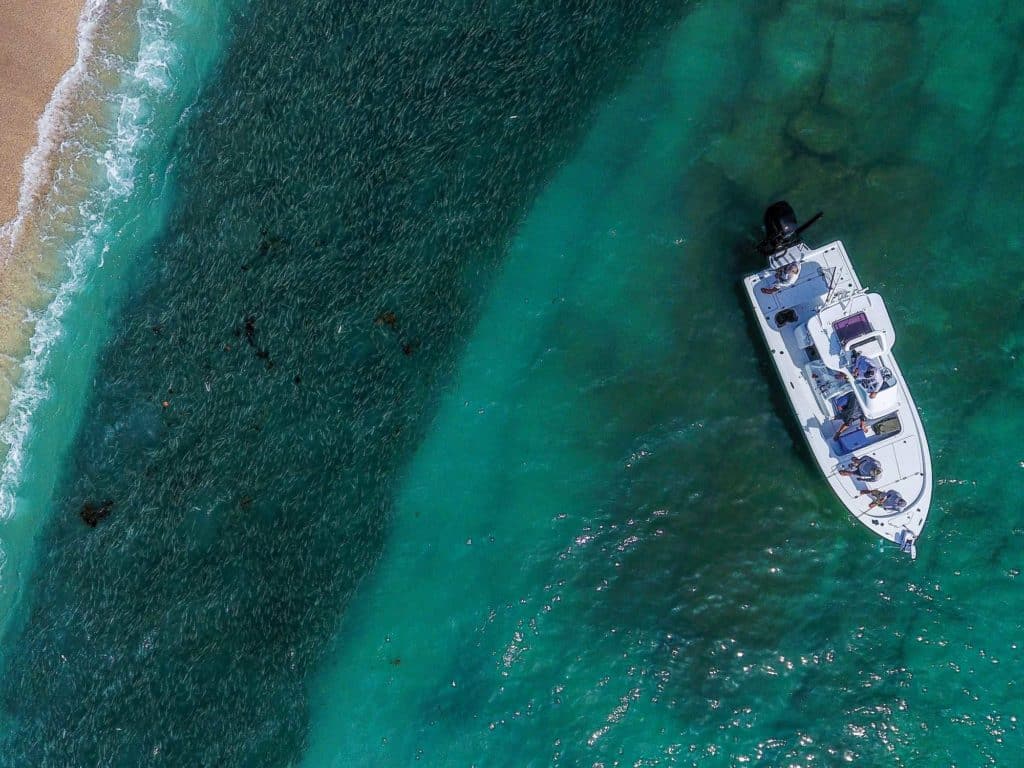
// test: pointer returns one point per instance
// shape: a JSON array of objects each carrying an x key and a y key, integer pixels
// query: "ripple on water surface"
[
  {"x": 607, "y": 544},
  {"x": 345, "y": 193},
  {"x": 611, "y": 548}
]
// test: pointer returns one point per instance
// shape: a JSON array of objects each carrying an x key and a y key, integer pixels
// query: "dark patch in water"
[
  {"x": 389, "y": 319},
  {"x": 250, "y": 330},
  {"x": 380, "y": 138},
  {"x": 91, "y": 514}
]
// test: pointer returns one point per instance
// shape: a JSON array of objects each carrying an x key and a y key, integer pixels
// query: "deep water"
[
  {"x": 436, "y": 432},
  {"x": 347, "y": 186}
]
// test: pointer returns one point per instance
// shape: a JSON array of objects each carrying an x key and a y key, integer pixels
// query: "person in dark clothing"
[
  {"x": 849, "y": 411},
  {"x": 865, "y": 468},
  {"x": 891, "y": 501}
]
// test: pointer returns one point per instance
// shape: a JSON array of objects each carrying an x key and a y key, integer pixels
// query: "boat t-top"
[{"x": 831, "y": 342}]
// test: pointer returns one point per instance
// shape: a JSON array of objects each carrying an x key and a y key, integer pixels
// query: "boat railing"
[
  {"x": 843, "y": 298},
  {"x": 832, "y": 283}
]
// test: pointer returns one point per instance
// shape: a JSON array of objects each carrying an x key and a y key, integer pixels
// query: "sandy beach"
[{"x": 38, "y": 43}]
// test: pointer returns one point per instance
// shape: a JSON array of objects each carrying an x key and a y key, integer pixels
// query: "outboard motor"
[
  {"x": 780, "y": 228},
  {"x": 779, "y": 221}
]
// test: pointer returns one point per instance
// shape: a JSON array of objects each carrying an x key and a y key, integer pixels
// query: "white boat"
[{"x": 831, "y": 342}]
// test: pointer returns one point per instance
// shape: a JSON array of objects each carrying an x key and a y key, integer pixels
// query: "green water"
[
  {"x": 608, "y": 550},
  {"x": 557, "y": 514},
  {"x": 127, "y": 167}
]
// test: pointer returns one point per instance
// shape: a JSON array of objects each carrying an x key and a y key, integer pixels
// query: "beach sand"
[{"x": 38, "y": 43}]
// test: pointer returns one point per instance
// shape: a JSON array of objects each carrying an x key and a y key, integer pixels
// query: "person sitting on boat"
[
  {"x": 865, "y": 468},
  {"x": 868, "y": 373},
  {"x": 849, "y": 411},
  {"x": 785, "y": 276},
  {"x": 890, "y": 501}
]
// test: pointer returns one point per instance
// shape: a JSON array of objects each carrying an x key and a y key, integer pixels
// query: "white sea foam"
[
  {"x": 137, "y": 102},
  {"x": 52, "y": 124}
]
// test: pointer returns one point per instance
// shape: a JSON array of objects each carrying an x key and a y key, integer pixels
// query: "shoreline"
[{"x": 38, "y": 45}]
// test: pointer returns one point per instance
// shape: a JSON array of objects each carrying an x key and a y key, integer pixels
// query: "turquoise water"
[
  {"x": 470, "y": 455},
  {"x": 123, "y": 167}
]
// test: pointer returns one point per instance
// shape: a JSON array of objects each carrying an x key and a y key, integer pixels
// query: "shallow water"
[{"x": 470, "y": 454}]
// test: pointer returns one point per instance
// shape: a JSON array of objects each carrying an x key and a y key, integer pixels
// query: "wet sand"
[{"x": 38, "y": 43}]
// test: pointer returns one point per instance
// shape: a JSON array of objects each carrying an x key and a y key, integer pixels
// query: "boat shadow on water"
[{"x": 744, "y": 256}]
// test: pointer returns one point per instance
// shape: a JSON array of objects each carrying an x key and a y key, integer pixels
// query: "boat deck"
[{"x": 827, "y": 279}]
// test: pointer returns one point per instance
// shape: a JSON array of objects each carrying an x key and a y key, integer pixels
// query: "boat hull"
[{"x": 827, "y": 287}]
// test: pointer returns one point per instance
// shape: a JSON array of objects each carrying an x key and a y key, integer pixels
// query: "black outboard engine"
[
  {"x": 779, "y": 221},
  {"x": 780, "y": 228}
]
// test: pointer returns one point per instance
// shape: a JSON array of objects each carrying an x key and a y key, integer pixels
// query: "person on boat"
[
  {"x": 890, "y": 501},
  {"x": 868, "y": 373},
  {"x": 785, "y": 276},
  {"x": 849, "y": 411},
  {"x": 865, "y": 468}
]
